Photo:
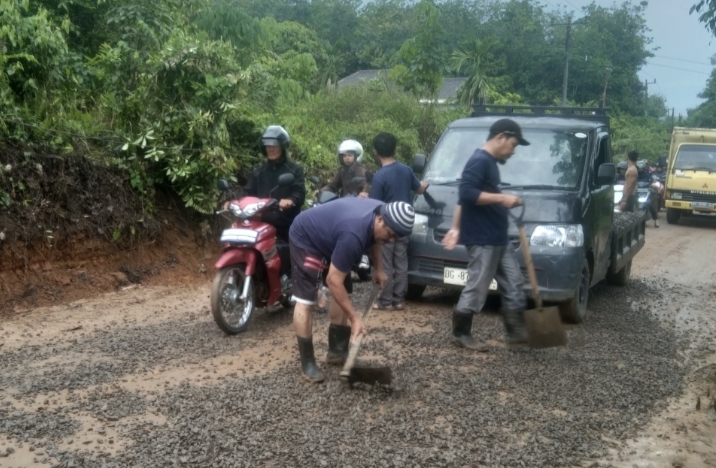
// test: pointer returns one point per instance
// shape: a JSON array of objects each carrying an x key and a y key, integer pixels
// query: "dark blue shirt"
[
  {"x": 341, "y": 230},
  {"x": 481, "y": 224},
  {"x": 393, "y": 183}
]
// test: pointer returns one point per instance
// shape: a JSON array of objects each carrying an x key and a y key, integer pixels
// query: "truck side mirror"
[
  {"x": 222, "y": 185},
  {"x": 419, "y": 162},
  {"x": 663, "y": 161},
  {"x": 606, "y": 174}
]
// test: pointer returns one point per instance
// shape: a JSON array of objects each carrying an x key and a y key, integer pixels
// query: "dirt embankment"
[{"x": 72, "y": 227}]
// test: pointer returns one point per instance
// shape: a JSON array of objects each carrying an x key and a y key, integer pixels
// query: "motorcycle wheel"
[{"x": 231, "y": 314}]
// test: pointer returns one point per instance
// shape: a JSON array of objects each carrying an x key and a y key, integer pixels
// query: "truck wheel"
[
  {"x": 415, "y": 292},
  {"x": 673, "y": 215},
  {"x": 620, "y": 278},
  {"x": 575, "y": 309}
]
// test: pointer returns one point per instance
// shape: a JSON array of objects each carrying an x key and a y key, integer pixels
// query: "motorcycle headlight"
[
  {"x": 677, "y": 195},
  {"x": 235, "y": 209},
  {"x": 420, "y": 228},
  {"x": 251, "y": 209},
  {"x": 570, "y": 235}
]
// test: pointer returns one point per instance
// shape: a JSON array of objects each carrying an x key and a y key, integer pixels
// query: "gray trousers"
[
  {"x": 488, "y": 262},
  {"x": 395, "y": 265}
]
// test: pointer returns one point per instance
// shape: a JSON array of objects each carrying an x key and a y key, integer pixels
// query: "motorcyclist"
[
  {"x": 275, "y": 143},
  {"x": 350, "y": 155}
]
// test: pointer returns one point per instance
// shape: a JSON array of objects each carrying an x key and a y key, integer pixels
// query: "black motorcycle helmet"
[{"x": 276, "y": 135}]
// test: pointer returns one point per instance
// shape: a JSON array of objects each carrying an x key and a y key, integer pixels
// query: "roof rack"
[{"x": 583, "y": 113}]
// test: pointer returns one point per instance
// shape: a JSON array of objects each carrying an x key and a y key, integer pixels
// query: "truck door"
[{"x": 602, "y": 209}]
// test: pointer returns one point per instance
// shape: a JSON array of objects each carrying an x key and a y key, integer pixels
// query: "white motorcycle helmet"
[{"x": 350, "y": 146}]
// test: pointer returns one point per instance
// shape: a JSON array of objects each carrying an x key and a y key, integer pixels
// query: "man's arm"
[
  {"x": 453, "y": 235},
  {"x": 629, "y": 183},
  {"x": 471, "y": 193},
  {"x": 379, "y": 276}
]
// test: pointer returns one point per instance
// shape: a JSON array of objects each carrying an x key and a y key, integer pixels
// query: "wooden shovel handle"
[
  {"x": 352, "y": 354},
  {"x": 530, "y": 266}
]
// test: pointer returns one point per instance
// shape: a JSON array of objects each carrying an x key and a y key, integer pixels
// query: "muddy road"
[{"x": 142, "y": 377}]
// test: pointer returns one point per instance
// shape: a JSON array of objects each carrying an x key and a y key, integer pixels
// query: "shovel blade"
[
  {"x": 370, "y": 375},
  {"x": 544, "y": 328}
]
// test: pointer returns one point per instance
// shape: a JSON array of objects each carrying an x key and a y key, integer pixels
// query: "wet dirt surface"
[{"x": 143, "y": 377}]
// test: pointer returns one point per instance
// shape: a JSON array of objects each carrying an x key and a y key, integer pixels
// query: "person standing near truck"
[
  {"x": 480, "y": 223},
  {"x": 393, "y": 182},
  {"x": 628, "y": 201}
]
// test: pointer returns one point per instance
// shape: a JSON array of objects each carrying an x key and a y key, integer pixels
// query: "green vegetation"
[{"x": 176, "y": 92}]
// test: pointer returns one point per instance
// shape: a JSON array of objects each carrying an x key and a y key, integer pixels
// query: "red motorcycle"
[{"x": 251, "y": 263}]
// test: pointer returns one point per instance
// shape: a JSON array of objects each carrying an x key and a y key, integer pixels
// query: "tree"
[
  {"x": 471, "y": 61},
  {"x": 706, "y": 9},
  {"x": 424, "y": 56}
]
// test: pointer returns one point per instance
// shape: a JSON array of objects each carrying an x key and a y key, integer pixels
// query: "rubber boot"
[
  {"x": 461, "y": 328},
  {"x": 515, "y": 327},
  {"x": 309, "y": 369},
  {"x": 339, "y": 336}
]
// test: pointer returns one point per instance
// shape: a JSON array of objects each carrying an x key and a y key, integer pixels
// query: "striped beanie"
[{"x": 399, "y": 216}]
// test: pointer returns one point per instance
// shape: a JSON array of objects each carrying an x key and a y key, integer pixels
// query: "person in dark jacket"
[
  {"x": 350, "y": 155},
  {"x": 275, "y": 142}
]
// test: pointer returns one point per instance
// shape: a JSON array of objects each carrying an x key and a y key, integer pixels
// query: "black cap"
[{"x": 510, "y": 128}]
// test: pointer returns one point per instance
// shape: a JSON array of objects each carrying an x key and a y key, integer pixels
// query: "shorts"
[{"x": 309, "y": 273}]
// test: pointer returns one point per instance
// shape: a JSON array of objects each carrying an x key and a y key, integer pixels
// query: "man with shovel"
[
  {"x": 480, "y": 223},
  {"x": 332, "y": 237}
]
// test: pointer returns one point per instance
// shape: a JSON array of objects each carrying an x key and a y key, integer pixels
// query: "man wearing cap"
[
  {"x": 332, "y": 237},
  {"x": 480, "y": 223}
]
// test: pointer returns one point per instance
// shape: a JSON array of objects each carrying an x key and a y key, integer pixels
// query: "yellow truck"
[{"x": 691, "y": 174}]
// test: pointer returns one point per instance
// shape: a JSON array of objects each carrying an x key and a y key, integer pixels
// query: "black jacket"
[{"x": 265, "y": 178}]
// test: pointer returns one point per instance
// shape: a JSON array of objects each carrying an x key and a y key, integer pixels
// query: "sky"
[{"x": 681, "y": 64}]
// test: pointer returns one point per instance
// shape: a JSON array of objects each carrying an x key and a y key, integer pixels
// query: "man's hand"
[
  {"x": 357, "y": 326},
  {"x": 315, "y": 193},
  {"x": 622, "y": 206},
  {"x": 380, "y": 277},
  {"x": 451, "y": 239},
  {"x": 510, "y": 201},
  {"x": 285, "y": 204},
  {"x": 226, "y": 205},
  {"x": 364, "y": 194}
]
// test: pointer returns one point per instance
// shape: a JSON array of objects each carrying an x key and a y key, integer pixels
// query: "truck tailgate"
[{"x": 628, "y": 238}]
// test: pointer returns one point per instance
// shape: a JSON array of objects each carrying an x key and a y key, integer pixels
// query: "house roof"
[{"x": 448, "y": 90}]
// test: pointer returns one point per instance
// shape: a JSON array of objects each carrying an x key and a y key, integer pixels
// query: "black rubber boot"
[
  {"x": 461, "y": 328},
  {"x": 309, "y": 369},
  {"x": 339, "y": 337},
  {"x": 515, "y": 326}
]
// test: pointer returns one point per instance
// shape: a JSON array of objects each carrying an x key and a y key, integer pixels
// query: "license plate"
[
  {"x": 239, "y": 236},
  {"x": 458, "y": 276},
  {"x": 708, "y": 206}
]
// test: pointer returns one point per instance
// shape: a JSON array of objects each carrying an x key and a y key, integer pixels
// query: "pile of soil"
[{"x": 72, "y": 226}]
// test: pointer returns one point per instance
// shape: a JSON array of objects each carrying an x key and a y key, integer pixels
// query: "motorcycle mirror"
[
  {"x": 223, "y": 185},
  {"x": 285, "y": 180},
  {"x": 314, "y": 180}
]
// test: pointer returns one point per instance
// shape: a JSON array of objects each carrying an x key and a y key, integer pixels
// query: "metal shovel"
[
  {"x": 544, "y": 324},
  {"x": 368, "y": 375}
]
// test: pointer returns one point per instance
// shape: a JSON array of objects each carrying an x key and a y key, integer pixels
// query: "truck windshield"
[
  {"x": 554, "y": 158},
  {"x": 696, "y": 158}
]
